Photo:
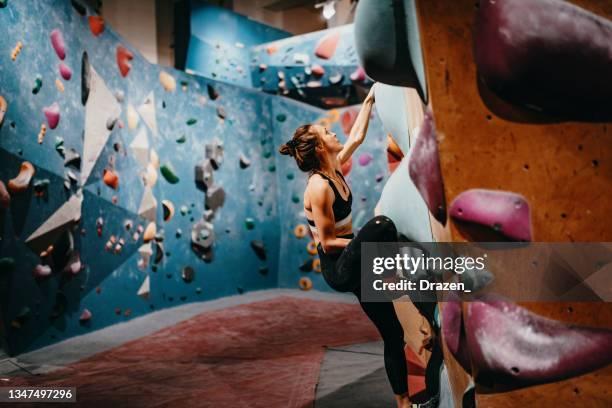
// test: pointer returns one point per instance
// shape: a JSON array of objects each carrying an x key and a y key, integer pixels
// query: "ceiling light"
[{"x": 329, "y": 8}]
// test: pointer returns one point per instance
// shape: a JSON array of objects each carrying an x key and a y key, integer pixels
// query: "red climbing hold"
[
  {"x": 124, "y": 56},
  {"x": 65, "y": 71},
  {"x": 317, "y": 70},
  {"x": 326, "y": 47},
  {"x": 96, "y": 25}
]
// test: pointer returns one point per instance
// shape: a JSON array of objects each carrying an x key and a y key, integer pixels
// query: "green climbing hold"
[
  {"x": 267, "y": 155},
  {"x": 181, "y": 139},
  {"x": 290, "y": 176},
  {"x": 281, "y": 117},
  {"x": 271, "y": 168},
  {"x": 263, "y": 141},
  {"x": 295, "y": 198},
  {"x": 168, "y": 174},
  {"x": 37, "y": 85},
  {"x": 249, "y": 223},
  {"x": 7, "y": 265},
  {"x": 191, "y": 121}
]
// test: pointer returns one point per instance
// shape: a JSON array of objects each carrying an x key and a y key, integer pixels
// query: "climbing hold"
[
  {"x": 311, "y": 248},
  {"x": 336, "y": 78},
  {"x": 184, "y": 210},
  {"x": 259, "y": 249},
  {"x": 204, "y": 175},
  {"x": 349, "y": 116},
  {"x": 110, "y": 178},
  {"x": 505, "y": 212},
  {"x": 145, "y": 289},
  {"x": 221, "y": 112},
  {"x": 168, "y": 173},
  {"x": 358, "y": 75},
  {"x": 314, "y": 84},
  {"x": 191, "y": 121},
  {"x": 85, "y": 78},
  {"x": 16, "y": 50},
  {"x": 214, "y": 152},
  {"x": 85, "y": 316},
  {"x": 317, "y": 70},
  {"x": 65, "y": 71},
  {"x": 7, "y": 265},
  {"x": 149, "y": 232},
  {"x": 215, "y": 197},
  {"x": 262, "y": 67},
  {"x": 326, "y": 47},
  {"x": 512, "y": 346},
  {"x": 202, "y": 236},
  {"x": 281, "y": 117},
  {"x": 365, "y": 159},
  {"x": 316, "y": 265},
  {"x": 168, "y": 210},
  {"x": 41, "y": 187},
  {"x": 3, "y": 3},
  {"x": 167, "y": 81},
  {"x": 42, "y": 133},
  {"x": 52, "y": 113},
  {"x": 212, "y": 93},
  {"x": 72, "y": 158},
  {"x": 3, "y": 109},
  {"x": 244, "y": 161},
  {"x": 22, "y": 181},
  {"x": 300, "y": 230},
  {"x": 249, "y": 223},
  {"x": 306, "y": 266},
  {"x": 59, "y": 85},
  {"x": 5, "y": 197},
  {"x": 124, "y": 56},
  {"x": 182, "y": 139},
  {"x": 188, "y": 274},
  {"x": 37, "y": 84},
  {"x": 424, "y": 169},
  {"x": 57, "y": 40},
  {"x": 295, "y": 198},
  {"x": 96, "y": 25},
  {"x": 41, "y": 271},
  {"x": 271, "y": 167},
  {"x": 305, "y": 283}
]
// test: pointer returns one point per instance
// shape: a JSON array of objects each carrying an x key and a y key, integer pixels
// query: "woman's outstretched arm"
[{"x": 359, "y": 129}]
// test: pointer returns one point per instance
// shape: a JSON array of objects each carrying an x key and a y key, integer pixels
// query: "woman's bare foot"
[{"x": 403, "y": 401}]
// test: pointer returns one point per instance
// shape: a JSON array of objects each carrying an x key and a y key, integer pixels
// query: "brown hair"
[{"x": 302, "y": 147}]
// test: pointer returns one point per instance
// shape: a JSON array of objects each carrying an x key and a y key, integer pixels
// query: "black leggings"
[{"x": 341, "y": 272}]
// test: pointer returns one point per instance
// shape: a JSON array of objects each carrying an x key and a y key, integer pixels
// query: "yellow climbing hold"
[
  {"x": 16, "y": 50},
  {"x": 305, "y": 283},
  {"x": 149, "y": 232},
  {"x": 42, "y": 133},
  {"x": 333, "y": 115},
  {"x": 312, "y": 248},
  {"x": 167, "y": 81},
  {"x": 300, "y": 230}
]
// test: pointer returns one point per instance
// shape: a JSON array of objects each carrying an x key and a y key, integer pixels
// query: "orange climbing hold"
[
  {"x": 16, "y": 50},
  {"x": 300, "y": 230},
  {"x": 305, "y": 283},
  {"x": 124, "y": 56},
  {"x": 96, "y": 25},
  {"x": 111, "y": 179},
  {"x": 149, "y": 232},
  {"x": 3, "y": 108},
  {"x": 22, "y": 181},
  {"x": 327, "y": 45},
  {"x": 42, "y": 133},
  {"x": 316, "y": 265}
]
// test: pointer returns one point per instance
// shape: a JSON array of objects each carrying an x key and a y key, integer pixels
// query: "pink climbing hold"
[
  {"x": 41, "y": 271},
  {"x": 424, "y": 169},
  {"x": 65, "y": 71},
  {"x": 57, "y": 40},
  {"x": 317, "y": 70},
  {"x": 85, "y": 316},
  {"x": 348, "y": 120},
  {"x": 359, "y": 75},
  {"x": 74, "y": 265},
  {"x": 365, "y": 159},
  {"x": 505, "y": 212},
  {"x": 512, "y": 345},
  {"x": 52, "y": 113},
  {"x": 326, "y": 47}
]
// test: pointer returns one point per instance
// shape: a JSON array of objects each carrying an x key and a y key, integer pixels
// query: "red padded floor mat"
[{"x": 263, "y": 354}]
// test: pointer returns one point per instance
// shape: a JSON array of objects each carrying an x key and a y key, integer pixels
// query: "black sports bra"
[{"x": 341, "y": 207}]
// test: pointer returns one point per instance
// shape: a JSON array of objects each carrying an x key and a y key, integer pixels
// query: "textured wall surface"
[{"x": 174, "y": 118}]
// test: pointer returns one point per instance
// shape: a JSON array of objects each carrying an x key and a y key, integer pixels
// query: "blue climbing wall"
[
  {"x": 220, "y": 42},
  {"x": 180, "y": 116}
]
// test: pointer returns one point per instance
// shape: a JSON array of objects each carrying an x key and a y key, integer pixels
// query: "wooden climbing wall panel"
[{"x": 564, "y": 170}]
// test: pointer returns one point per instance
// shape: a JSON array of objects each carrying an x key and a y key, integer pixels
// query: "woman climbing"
[{"x": 327, "y": 204}]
